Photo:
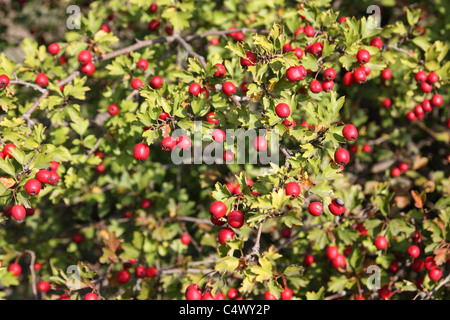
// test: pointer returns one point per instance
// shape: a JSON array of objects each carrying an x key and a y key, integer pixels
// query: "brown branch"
[
  {"x": 28, "y": 85},
  {"x": 33, "y": 274},
  {"x": 189, "y": 50}
]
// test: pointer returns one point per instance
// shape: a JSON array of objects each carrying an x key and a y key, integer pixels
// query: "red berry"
[
  {"x": 437, "y": 100},
  {"x": 105, "y": 28},
  {"x": 37, "y": 266},
  {"x": 168, "y": 143},
  {"x": 287, "y": 294},
  {"x": 435, "y": 274},
  {"x": 184, "y": 142},
  {"x": 426, "y": 105},
  {"x": 381, "y": 242},
  {"x": 315, "y": 86},
  {"x": 293, "y": 189},
  {"x": 156, "y": 82},
  {"x": 140, "y": 272},
  {"x": 386, "y": 74},
  {"x": 225, "y": 234},
  {"x": 185, "y": 239},
  {"x": 152, "y": 272},
  {"x": 218, "y": 135},
  {"x": 214, "y": 41},
  {"x": 113, "y": 109},
  {"x": 153, "y": 25},
  {"x": 53, "y": 48},
  {"x": 235, "y": 219},
  {"x": 298, "y": 52},
  {"x": 384, "y": 293},
  {"x": 426, "y": 87},
  {"x": 7, "y": 148},
  {"x": 146, "y": 203},
  {"x": 387, "y": 103},
  {"x": 77, "y": 238},
  {"x": 88, "y": 69},
  {"x": 332, "y": 252},
  {"x": 359, "y": 76},
  {"x": 411, "y": 116},
  {"x": 337, "y": 206},
  {"x": 84, "y": 57},
  {"x": 4, "y": 81},
  {"x": 193, "y": 292},
  {"x": 429, "y": 262},
  {"x": 91, "y": 296},
  {"x": 396, "y": 172},
  {"x": 289, "y": 124},
  {"x": 43, "y": 176},
  {"x": 15, "y": 268},
  {"x": 251, "y": 59},
  {"x": 363, "y": 56},
  {"x": 342, "y": 19},
  {"x": 329, "y": 74},
  {"x": 260, "y": 144},
  {"x": 229, "y": 88},
  {"x": 42, "y": 80},
  {"x": 141, "y": 151},
  {"x": 18, "y": 212},
  {"x": 269, "y": 296},
  {"x": 421, "y": 76},
  {"x": 43, "y": 286},
  {"x": 296, "y": 73},
  {"x": 164, "y": 115},
  {"x": 315, "y": 208},
  {"x": 348, "y": 79},
  {"x": 349, "y": 132},
  {"x": 228, "y": 156},
  {"x": 403, "y": 166},
  {"x": 136, "y": 83},
  {"x": 232, "y": 293},
  {"x": 33, "y": 187},
  {"x": 309, "y": 31},
  {"x": 341, "y": 156},
  {"x": 316, "y": 49},
  {"x": 54, "y": 165},
  {"x": 339, "y": 261},
  {"x": 211, "y": 118},
  {"x": 417, "y": 265},
  {"x": 308, "y": 260},
  {"x": 413, "y": 251},
  {"x": 218, "y": 209},
  {"x": 366, "y": 148},
  {"x": 142, "y": 64},
  {"x": 221, "y": 71},
  {"x": 432, "y": 77},
  {"x": 286, "y": 232},
  {"x": 416, "y": 237},
  {"x": 282, "y": 110},
  {"x": 376, "y": 42},
  {"x": 153, "y": 7},
  {"x": 123, "y": 276}
]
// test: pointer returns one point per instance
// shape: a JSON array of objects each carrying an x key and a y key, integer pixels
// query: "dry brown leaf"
[
  {"x": 419, "y": 162},
  {"x": 166, "y": 130},
  {"x": 8, "y": 182},
  {"x": 441, "y": 255},
  {"x": 306, "y": 184},
  {"x": 417, "y": 198}
]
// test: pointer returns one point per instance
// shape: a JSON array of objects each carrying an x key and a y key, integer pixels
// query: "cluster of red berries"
[{"x": 397, "y": 171}]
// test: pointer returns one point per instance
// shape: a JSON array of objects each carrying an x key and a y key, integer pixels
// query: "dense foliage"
[{"x": 93, "y": 118}]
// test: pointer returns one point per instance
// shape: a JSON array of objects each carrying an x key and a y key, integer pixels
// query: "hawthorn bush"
[{"x": 90, "y": 125}]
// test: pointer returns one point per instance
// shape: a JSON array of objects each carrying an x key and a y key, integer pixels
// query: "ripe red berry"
[
  {"x": 417, "y": 265},
  {"x": 411, "y": 116},
  {"x": 221, "y": 71},
  {"x": 113, "y": 109},
  {"x": 251, "y": 59},
  {"x": 421, "y": 76},
  {"x": 260, "y": 143},
  {"x": 437, "y": 100},
  {"x": 327, "y": 86},
  {"x": 100, "y": 168},
  {"x": 84, "y": 57},
  {"x": 337, "y": 206},
  {"x": 293, "y": 189},
  {"x": 218, "y": 135},
  {"x": 385, "y": 293},
  {"x": 366, "y": 148},
  {"x": 152, "y": 272},
  {"x": 341, "y": 156},
  {"x": 88, "y": 69},
  {"x": 359, "y": 76},
  {"x": 329, "y": 74},
  {"x": 146, "y": 203},
  {"x": 403, "y": 166},
  {"x": 339, "y": 261},
  {"x": 37, "y": 266},
  {"x": 413, "y": 251},
  {"x": 153, "y": 7},
  {"x": 342, "y": 19},
  {"x": 42, "y": 80},
  {"x": 53, "y": 48},
  {"x": 426, "y": 87},
  {"x": 185, "y": 239},
  {"x": 214, "y": 41},
  {"x": 287, "y": 294},
  {"x": 153, "y": 25},
  {"x": 136, "y": 83},
  {"x": 289, "y": 124},
  {"x": 363, "y": 56},
  {"x": 308, "y": 260},
  {"x": 229, "y": 88},
  {"x": 269, "y": 296},
  {"x": 286, "y": 232},
  {"x": 4, "y": 81},
  {"x": 386, "y": 74},
  {"x": 211, "y": 118},
  {"x": 296, "y": 73},
  {"x": 140, "y": 272},
  {"x": 184, "y": 142},
  {"x": 193, "y": 292},
  {"x": 354, "y": 148},
  {"x": 426, "y": 105},
  {"x": 218, "y": 209},
  {"x": 228, "y": 156},
  {"x": 53, "y": 178},
  {"x": 168, "y": 143},
  {"x": 315, "y": 86},
  {"x": 315, "y": 208},
  {"x": 287, "y": 47},
  {"x": 348, "y": 79},
  {"x": 299, "y": 30},
  {"x": 235, "y": 219},
  {"x": 123, "y": 276},
  {"x": 430, "y": 263},
  {"x": 387, "y": 103},
  {"x": 350, "y": 132},
  {"x": 142, "y": 64},
  {"x": 43, "y": 286},
  {"x": 309, "y": 31},
  {"x": 43, "y": 176},
  {"x": 435, "y": 274},
  {"x": 141, "y": 151},
  {"x": 7, "y": 148},
  {"x": 416, "y": 237},
  {"x": 105, "y": 28},
  {"x": 77, "y": 238},
  {"x": 156, "y": 82},
  {"x": 396, "y": 172},
  {"x": 381, "y": 242},
  {"x": 33, "y": 187},
  {"x": 18, "y": 212},
  {"x": 316, "y": 49},
  {"x": 332, "y": 252},
  {"x": 225, "y": 234},
  {"x": 90, "y": 296},
  {"x": 54, "y": 165},
  {"x": 282, "y": 110},
  {"x": 298, "y": 52},
  {"x": 432, "y": 78},
  {"x": 15, "y": 268},
  {"x": 164, "y": 115},
  {"x": 376, "y": 42},
  {"x": 232, "y": 293}
]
